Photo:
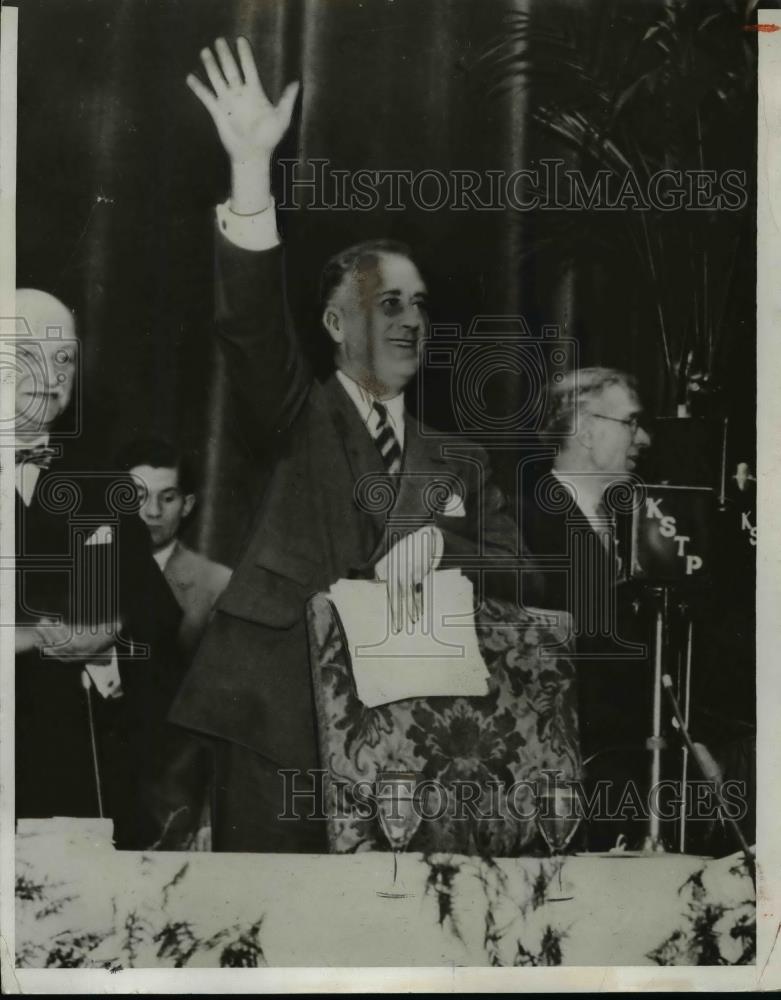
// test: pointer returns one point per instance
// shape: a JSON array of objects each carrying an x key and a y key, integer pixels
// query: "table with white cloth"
[{"x": 80, "y": 903}]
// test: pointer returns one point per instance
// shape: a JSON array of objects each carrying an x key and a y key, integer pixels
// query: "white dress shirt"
[
  {"x": 592, "y": 506},
  {"x": 589, "y": 504},
  {"x": 364, "y": 401},
  {"x": 250, "y": 232},
  {"x": 162, "y": 556}
]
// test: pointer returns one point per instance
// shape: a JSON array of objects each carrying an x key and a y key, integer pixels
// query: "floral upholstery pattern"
[{"x": 527, "y": 723}]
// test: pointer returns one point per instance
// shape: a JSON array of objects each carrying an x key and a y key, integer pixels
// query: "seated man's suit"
[{"x": 585, "y": 574}]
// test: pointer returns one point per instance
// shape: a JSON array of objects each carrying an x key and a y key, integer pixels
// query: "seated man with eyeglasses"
[{"x": 575, "y": 513}]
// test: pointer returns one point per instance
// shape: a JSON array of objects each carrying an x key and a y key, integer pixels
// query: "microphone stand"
[
  {"x": 668, "y": 639},
  {"x": 684, "y": 685},
  {"x": 656, "y": 741},
  {"x": 86, "y": 683},
  {"x": 706, "y": 771}
]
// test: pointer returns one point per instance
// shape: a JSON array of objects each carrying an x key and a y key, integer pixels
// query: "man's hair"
[
  {"x": 354, "y": 259},
  {"x": 158, "y": 453},
  {"x": 567, "y": 397}
]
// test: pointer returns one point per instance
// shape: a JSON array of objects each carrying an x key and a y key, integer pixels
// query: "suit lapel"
[
  {"x": 422, "y": 467},
  {"x": 607, "y": 552},
  {"x": 359, "y": 448},
  {"x": 360, "y": 452},
  {"x": 422, "y": 463}
]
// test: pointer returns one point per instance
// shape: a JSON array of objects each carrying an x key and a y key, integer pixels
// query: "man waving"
[{"x": 250, "y": 684}]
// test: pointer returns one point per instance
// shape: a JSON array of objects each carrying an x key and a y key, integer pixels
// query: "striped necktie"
[{"x": 386, "y": 441}]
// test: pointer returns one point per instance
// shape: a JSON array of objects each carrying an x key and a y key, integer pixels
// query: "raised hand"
[{"x": 248, "y": 124}]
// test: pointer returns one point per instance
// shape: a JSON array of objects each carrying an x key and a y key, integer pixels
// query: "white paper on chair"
[{"x": 437, "y": 656}]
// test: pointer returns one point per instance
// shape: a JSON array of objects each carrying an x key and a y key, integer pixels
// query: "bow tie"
[{"x": 40, "y": 455}]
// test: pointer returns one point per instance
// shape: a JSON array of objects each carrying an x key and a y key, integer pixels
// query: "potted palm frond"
[{"x": 660, "y": 93}]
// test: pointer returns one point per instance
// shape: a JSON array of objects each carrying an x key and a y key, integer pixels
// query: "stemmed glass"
[
  {"x": 558, "y": 817},
  {"x": 399, "y": 817}
]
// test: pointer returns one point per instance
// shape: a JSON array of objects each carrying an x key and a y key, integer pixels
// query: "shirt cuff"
[
  {"x": 250, "y": 232},
  {"x": 106, "y": 677}
]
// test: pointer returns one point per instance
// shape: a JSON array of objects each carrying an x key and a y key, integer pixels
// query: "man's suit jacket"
[
  {"x": 326, "y": 515},
  {"x": 581, "y": 577},
  {"x": 196, "y": 583},
  {"x": 54, "y": 563}
]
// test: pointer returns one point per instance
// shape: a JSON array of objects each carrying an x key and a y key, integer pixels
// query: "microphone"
[{"x": 710, "y": 770}]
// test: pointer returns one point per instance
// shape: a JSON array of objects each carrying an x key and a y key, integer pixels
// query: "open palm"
[{"x": 248, "y": 124}]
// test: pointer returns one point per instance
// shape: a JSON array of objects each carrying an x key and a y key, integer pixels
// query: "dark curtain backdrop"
[{"x": 119, "y": 169}]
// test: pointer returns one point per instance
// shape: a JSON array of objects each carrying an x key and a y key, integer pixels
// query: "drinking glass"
[
  {"x": 558, "y": 817},
  {"x": 399, "y": 817}
]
